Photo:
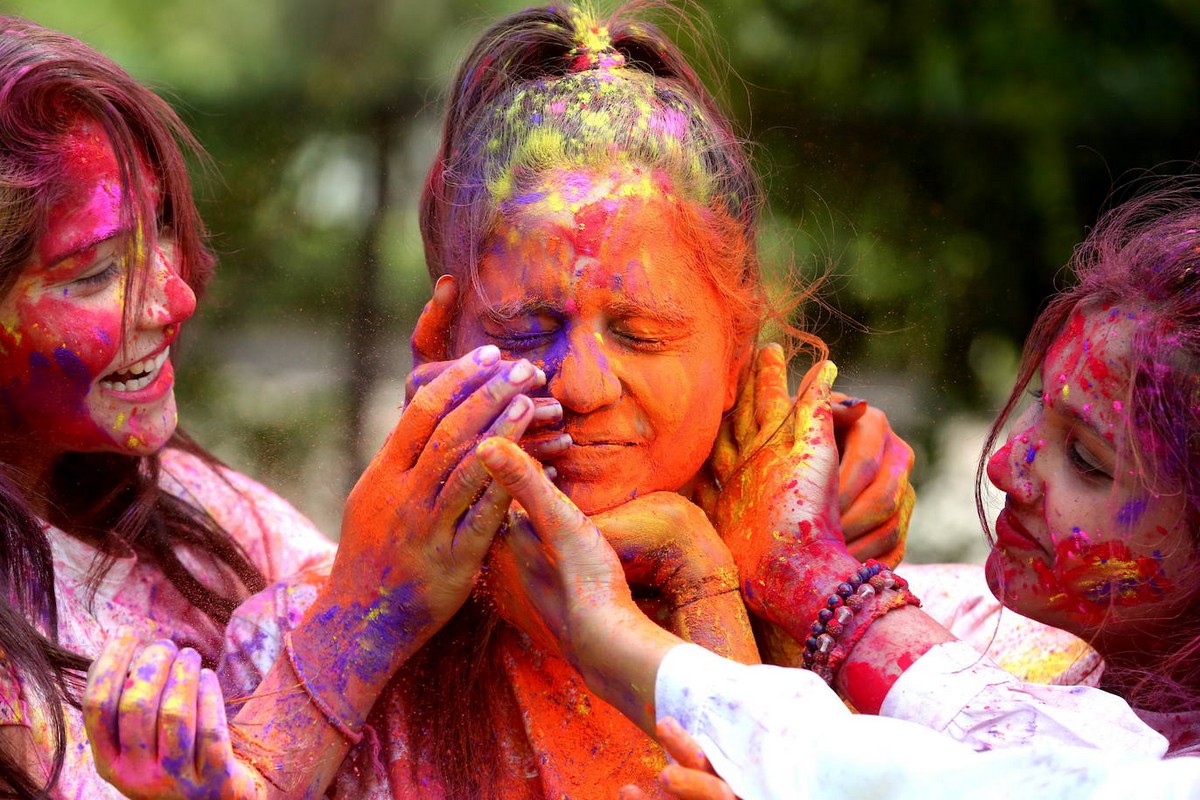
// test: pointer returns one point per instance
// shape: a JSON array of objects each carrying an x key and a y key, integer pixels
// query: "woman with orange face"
[{"x": 591, "y": 210}]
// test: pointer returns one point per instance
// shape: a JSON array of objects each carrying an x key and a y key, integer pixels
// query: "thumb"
[{"x": 431, "y": 335}]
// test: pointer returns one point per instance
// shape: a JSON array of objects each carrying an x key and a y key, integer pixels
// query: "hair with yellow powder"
[{"x": 560, "y": 88}]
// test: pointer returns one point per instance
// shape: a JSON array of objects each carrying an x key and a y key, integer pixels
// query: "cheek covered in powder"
[
  {"x": 50, "y": 359},
  {"x": 1087, "y": 579}
]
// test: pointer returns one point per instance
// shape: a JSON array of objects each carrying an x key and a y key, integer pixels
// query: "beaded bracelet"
[
  {"x": 822, "y": 652},
  {"x": 338, "y": 724}
]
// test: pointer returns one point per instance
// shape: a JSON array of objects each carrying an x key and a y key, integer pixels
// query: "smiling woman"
[
  {"x": 111, "y": 517},
  {"x": 79, "y": 375}
]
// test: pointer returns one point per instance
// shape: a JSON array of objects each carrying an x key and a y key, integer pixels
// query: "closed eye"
[
  {"x": 103, "y": 275},
  {"x": 1085, "y": 462}
]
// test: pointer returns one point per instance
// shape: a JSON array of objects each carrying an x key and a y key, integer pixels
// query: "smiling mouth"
[{"x": 138, "y": 376}]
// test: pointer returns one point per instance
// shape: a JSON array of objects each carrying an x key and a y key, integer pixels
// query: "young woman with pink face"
[
  {"x": 124, "y": 542},
  {"x": 1098, "y": 536}
]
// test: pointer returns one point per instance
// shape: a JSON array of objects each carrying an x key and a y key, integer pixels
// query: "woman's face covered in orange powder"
[{"x": 591, "y": 276}]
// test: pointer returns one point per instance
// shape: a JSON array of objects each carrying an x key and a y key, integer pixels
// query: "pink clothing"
[{"x": 278, "y": 539}]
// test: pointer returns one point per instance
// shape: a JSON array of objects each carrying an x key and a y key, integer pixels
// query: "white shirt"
[{"x": 772, "y": 732}]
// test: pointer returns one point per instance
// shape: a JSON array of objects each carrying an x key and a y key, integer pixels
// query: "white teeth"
[{"x": 146, "y": 370}]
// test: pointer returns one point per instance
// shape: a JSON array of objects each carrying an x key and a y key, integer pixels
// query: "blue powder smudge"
[{"x": 1131, "y": 512}]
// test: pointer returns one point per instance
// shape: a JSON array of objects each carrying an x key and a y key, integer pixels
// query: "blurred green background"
[{"x": 937, "y": 158}]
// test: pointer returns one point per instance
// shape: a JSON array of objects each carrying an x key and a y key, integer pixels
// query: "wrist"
[
  {"x": 357, "y": 640},
  {"x": 788, "y": 591}
]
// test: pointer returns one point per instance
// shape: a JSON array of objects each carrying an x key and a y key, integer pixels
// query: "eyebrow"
[
  {"x": 662, "y": 311},
  {"x": 1077, "y": 420},
  {"x": 89, "y": 243}
]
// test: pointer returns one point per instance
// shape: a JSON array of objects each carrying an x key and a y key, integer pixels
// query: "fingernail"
[
  {"x": 487, "y": 355},
  {"x": 851, "y": 402},
  {"x": 547, "y": 409},
  {"x": 550, "y": 472},
  {"x": 518, "y": 407},
  {"x": 557, "y": 443},
  {"x": 443, "y": 288},
  {"x": 828, "y": 372},
  {"x": 520, "y": 372}
]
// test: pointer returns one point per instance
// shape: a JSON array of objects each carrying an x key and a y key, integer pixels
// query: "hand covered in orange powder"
[
  {"x": 691, "y": 777},
  {"x": 418, "y": 523},
  {"x": 156, "y": 723},
  {"x": 777, "y": 511},
  {"x": 575, "y": 583},
  {"x": 430, "y": 344},
  {"x": 874, "y": 495}
]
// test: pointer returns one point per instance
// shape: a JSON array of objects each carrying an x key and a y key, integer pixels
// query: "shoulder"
[{"x": 278, "y": 538}]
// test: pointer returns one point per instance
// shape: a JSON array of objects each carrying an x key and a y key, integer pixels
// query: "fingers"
[
  {"x": 469, "y": 478},
  {"x": 421, "y": 417},
  {"x": 431, "y": 335},
  {"x": 876, "y": 484},
  {"x": 885, "y": 542},
  {"x": 631, "y": 792},
  {"x": 680, "y": 745},
  {"x": 692, "y": 784},
  {"x": 812, "y": 419},
  {"x": 862, "y": 450},
  {"x": 214, "y": 752},
  {"x": 552, "y": 514},
  {"x": 422, "y": 376},
  {"x": 846, "y": 410},
  {"x": 458, "y": 433},
  {"x": 741, "y": 420},
  {"x": 101, "y": 699},
  {"x": 141, "y": 696},
  {"x": 177, "y": 715},
  {"x": 771, "y": 398},
  {"x": 542, "y": 443}
]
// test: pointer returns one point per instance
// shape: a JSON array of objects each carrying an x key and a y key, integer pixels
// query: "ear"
[{"x": 739, "y": 370}]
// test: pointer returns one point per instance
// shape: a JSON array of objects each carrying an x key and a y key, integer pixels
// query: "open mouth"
[{"x": 136, "y": 377}]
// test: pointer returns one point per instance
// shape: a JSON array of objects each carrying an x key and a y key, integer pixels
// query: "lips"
[
  {"x": 1012, "y": 535},
  {"x": 138, "y": 375}
]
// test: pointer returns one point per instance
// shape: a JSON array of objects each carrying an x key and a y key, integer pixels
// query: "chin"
[{"x": 594, "y": 497}]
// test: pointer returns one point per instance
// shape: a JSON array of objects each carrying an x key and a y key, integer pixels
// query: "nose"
[
  {"x": 1013, "y": 469},
  {"x": 585, "y": 380},
  {"x": 167, "y": 298}
]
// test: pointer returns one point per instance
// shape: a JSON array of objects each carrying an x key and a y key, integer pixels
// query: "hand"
[
  {"x": 573, "y": 580},
  {"x": 431, "y": 344},
  {"x": 420, "y": 519},
  {"x": 156, "y": 723},
  {"x": 778, "y": 508},
  {"x": 874, "y": 495},
  {"x": 674, "y": 559},
  {"x": 691, "y": 777}
]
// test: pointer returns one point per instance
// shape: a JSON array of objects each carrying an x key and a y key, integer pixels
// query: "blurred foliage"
[{"x": 937, "y": 159}]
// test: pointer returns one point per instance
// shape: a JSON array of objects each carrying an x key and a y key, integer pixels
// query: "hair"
[
  {"x": 560, "y": 88},
  {"x": 1144, "y": 253},
  {"x": 549, "y": 89},
  {"x": 49, "y": 82}
]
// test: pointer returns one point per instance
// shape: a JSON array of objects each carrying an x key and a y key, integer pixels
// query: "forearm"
[
  {"x": 620, "y": 664},
  {"x": 302, "y": 719}
]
